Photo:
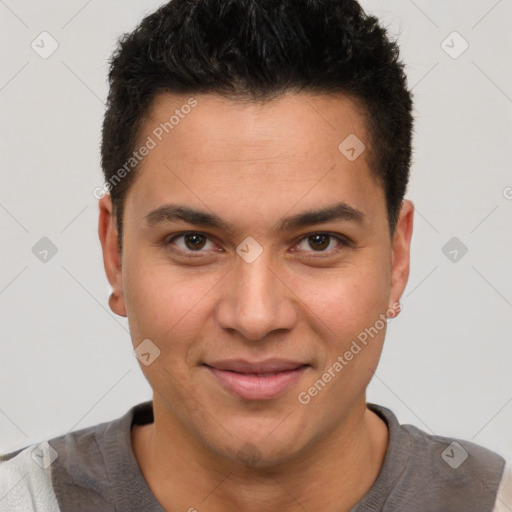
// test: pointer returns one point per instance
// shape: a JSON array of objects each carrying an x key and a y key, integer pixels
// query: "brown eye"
[
  {"x": 319, "y": 241},
  {"x": 317, "y": 245},
  {"x": 194, "y": 241},
  {"x": 190, "y": 242}
]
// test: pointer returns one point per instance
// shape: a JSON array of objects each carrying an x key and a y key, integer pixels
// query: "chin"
[{"x": 263, "y": 446}]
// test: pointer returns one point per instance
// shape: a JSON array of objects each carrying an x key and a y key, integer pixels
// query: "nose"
[{"x": 256, "y": 301}]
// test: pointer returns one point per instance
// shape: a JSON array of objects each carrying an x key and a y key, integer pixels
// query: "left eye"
[
  {"x": 194, "y": 242},
  {"x": 320, "y": 242}
]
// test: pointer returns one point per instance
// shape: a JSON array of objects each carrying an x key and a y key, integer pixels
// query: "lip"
[{"x": 257, "y": 381}]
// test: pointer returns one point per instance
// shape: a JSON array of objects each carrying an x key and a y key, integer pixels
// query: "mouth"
[{"x": 257, "y": 381}]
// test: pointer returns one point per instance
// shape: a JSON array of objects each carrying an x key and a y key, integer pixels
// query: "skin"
[{"x": 253, "y": 165}]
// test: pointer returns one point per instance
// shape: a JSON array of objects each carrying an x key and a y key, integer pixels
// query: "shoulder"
[
  {"x": 69, "y": 468},
  {"x": 504, "y": 495},
  {"x": 66, "y": 469},
  {"x": 453, "y": 457},
  {"x": 433, "y": 472},
  {"x": 25, "y": 480},
  {"x": 85, "y": 469}
]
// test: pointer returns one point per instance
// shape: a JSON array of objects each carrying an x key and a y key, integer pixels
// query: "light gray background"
[{"x": 66, "y": 361}]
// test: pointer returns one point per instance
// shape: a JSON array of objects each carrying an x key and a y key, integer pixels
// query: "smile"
[{"x": 258, "y": 381}]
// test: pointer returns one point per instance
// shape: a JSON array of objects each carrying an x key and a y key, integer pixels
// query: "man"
[{"x": 255, "y": 234}]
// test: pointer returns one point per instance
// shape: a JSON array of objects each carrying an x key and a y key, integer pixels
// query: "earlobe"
[
  {"x": 117, "y": 304},
  {"x": 401, "y": 249},
  {"x": 107, "y": 231}
]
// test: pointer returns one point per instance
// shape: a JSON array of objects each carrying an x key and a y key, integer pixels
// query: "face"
[{"x": 256, "y": 255}]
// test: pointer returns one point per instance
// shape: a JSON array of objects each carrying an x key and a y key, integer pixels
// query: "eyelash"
[{"x": 342, "y": 240}]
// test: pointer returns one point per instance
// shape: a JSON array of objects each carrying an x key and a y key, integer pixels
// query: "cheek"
[
  {"x": 168, "y": 308},
  {"x": 347, "y": 310},
  {"x": 351, "y": 329},
  {"x": 347, "y": 301},
  {"x": 165, "y": 305}
]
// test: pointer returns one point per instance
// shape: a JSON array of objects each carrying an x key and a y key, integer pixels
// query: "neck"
[{"x": 334, "y": 473}]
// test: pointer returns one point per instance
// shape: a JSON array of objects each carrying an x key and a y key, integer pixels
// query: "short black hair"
[{"x": 258, "y": 50}]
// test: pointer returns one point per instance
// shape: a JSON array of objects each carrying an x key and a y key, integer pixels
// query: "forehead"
[
  {"x": 231, "y": 155},
  {"x": 286, "y": 122}
]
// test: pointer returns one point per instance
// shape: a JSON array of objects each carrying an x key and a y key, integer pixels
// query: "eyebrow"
[{"x": 168, "y": 213}]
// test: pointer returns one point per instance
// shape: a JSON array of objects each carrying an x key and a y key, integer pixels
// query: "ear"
[
  {"x": 401, "y": 248},
  {"x": 107, "y": 231}
]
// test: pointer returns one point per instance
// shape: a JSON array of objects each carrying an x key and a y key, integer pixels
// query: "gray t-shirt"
[{"x": 94, "y": 469}]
